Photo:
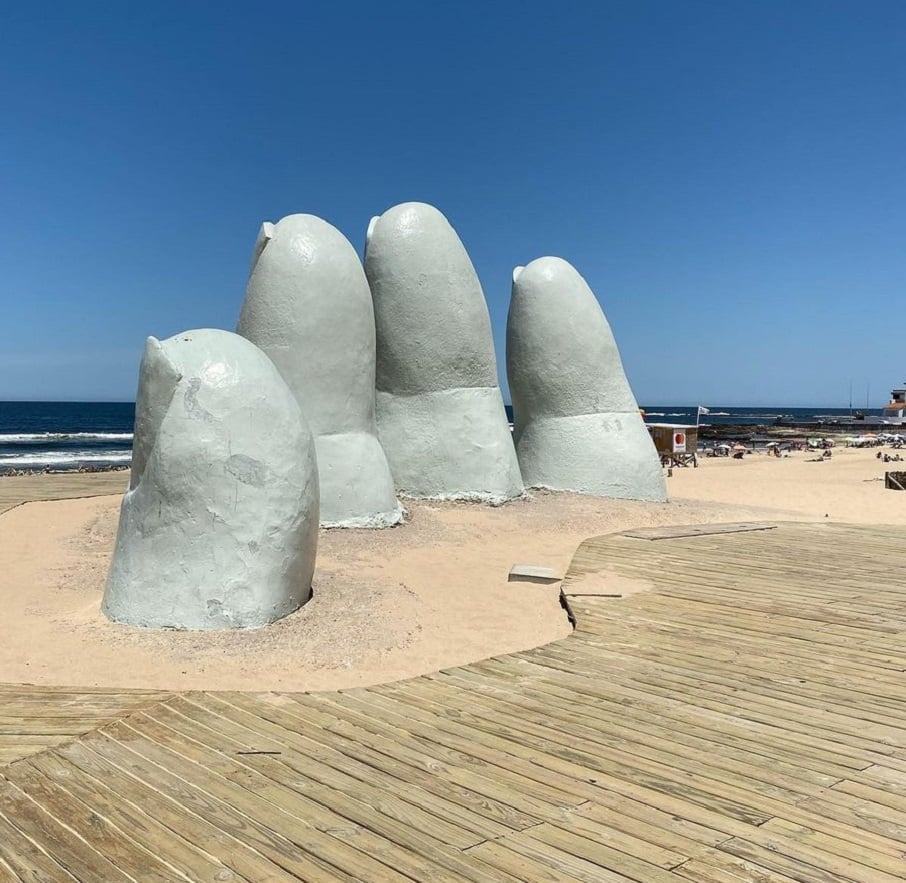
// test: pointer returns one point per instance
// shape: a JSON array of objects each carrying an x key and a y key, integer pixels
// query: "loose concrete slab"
[{"x": 533, "y": 573}]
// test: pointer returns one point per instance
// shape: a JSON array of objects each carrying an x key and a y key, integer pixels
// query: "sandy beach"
[{"x": 387, "y": 604}]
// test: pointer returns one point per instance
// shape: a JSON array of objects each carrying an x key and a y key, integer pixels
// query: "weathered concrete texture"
[
  {"x": 577, "y": 426},
  {"x": 309, "y": 308},
  {"x": 440, "y": 413},
  {"x": 219, "y": 527}
]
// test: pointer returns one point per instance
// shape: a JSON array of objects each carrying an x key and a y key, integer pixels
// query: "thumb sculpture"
[
  {"x": 440, "y": 413},
  {"x": 309, "y": 308},
  {"x": 219, "y": 527},
  {"x": 577, "y": 426}
]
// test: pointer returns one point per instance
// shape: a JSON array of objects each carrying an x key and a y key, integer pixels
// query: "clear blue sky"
[{"x": 729, "y": 176}]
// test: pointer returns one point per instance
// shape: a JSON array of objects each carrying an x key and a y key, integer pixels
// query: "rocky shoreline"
[
  {"x": 46, "y": 470},
  {"x": 757, "y": 432}
]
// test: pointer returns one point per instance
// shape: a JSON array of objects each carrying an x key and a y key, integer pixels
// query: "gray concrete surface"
[
  {"x": 439, "y": 408},
  {"x": 219, "y": 527},
  {"x": 577, "y": 426},
  {"x": 308, "y": 306}
]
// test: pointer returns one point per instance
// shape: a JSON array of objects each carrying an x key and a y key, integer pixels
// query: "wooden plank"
[
  {"x": 462, "y": 741},
  {"x": 798, "y": 869},
  {"x": 695, "y": 530},
  {"x": 763, "y": 667},
  {"x": 544, "y": 800},
  {"x": 685, "y": 717},
  {"x": 610, "y": 812},
  {"x": 226, "y": 809},
  {"x": 802, "y": 727},
  {"x": 450, "y": 822},
  {"x": 888, "y": 861},
  {"x": 410, "y": 846},
  {"x": 62, "y": 690},
  {"x": 715, "y": 866},
  {"x": 69, "y": 850},
  {"x": 482, "y": 794},
  {"x": 614, "y": 769},
  {"x": 342, "y": 844},
  {"x": 104, "y": 837},
  {"x": 558, "y": 863},
  {"x": 851, "y": 832},
  {"x": 658, "y": 639},
  {"x": 138, "y": 825},
  {"x": 610, "y": 722},
  {"x": 594, "y": 850},
  {"x": 33, "y": 719},
  {"x": 459, "y": 803},
  {"x": 830, "y": 714},
  {"x": 496, "y": 855},
  {"x": 18, "y": 489},
  {"x": 189, "y": 833},
  {"x": 24, "y": 859},
  {"x": 626, "y": 755},
  {"x": 744, "y": 720},
  {"x": 498, "y": 748},
  {"x": 854, "y": 812}
]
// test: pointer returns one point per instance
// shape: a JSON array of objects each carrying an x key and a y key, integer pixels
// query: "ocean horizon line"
[{"x": 690, "y": 404}]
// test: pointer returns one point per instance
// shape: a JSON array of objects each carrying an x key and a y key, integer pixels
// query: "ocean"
[
  {"x": 69, "y": 436},
  {"x": 65, "y": 436},
  {"x": 736, "y": 416},
  {"x": 746, "y": 416}
]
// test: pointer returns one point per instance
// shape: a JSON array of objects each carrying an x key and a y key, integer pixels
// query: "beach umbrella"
[
  {"x": 723, "y": 447},
  {"x": 738, "y": 448},
  {"x": 772, "y": 444}
]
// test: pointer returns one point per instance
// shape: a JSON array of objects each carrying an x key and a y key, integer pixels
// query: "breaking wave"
[
  {"x": 43, "y": 438},
  {"x": 62, "y": 459}
]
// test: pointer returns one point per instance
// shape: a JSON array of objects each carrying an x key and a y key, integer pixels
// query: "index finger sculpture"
[
  {"x": 308, "y": 307},
  {"x": 440, "y": 413}
]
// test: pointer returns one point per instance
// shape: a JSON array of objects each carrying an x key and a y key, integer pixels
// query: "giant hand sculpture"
[
  {"x": 219, "y": 526},
  {"x": 577, "y": 426},
  {"x": 440, "y": 413},
  {"x": 308, "y": 307}
]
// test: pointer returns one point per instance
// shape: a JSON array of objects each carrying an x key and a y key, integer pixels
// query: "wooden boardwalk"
[
  {"x": 33, "y": 719},
  {"x": 18, "y": 489},
  {"x": 742, "y": 718}
]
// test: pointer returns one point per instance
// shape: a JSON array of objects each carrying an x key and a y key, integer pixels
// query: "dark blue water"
[
  {"x": 732, "y": 416},
  {"x": 724, "y": 415},
  {"x": 65, "y": 436}
]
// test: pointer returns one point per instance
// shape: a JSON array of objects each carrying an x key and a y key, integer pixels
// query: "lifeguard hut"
[
  {"x": 676, "y": 443},
  {"x": 895, "y": 409}
]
